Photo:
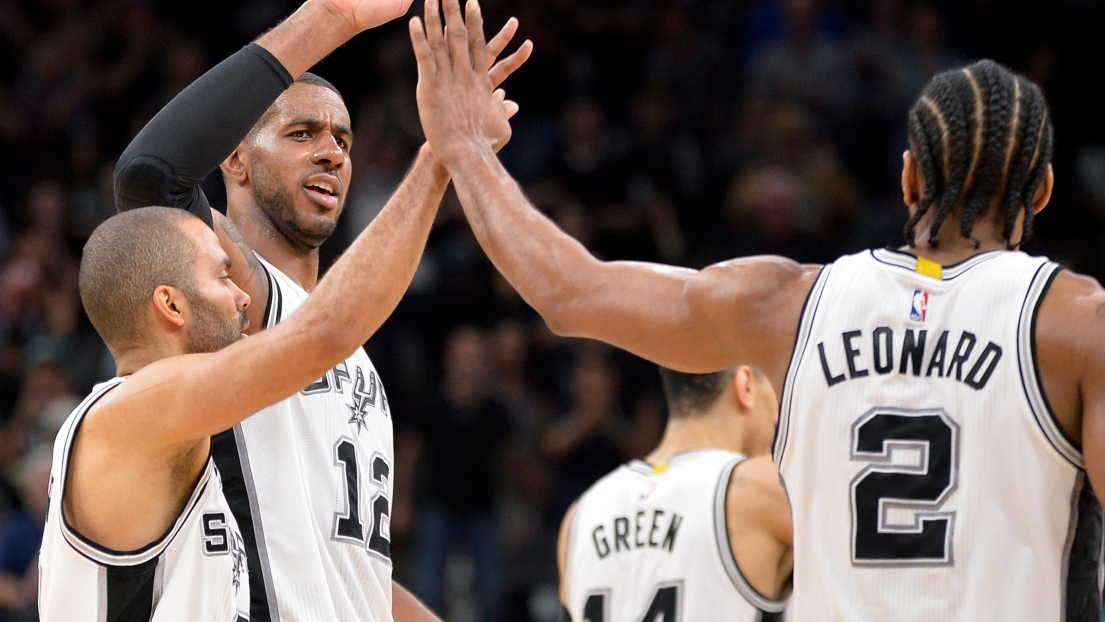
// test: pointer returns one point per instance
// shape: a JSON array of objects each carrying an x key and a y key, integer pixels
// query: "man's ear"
[
  {"x": 236, "y": 167},
  {"x": 170, "y": 305},
  {"x": 744, "y": 387},
  {"x": 1043, "y": 193},
  {"x": 912, "y": 185}
]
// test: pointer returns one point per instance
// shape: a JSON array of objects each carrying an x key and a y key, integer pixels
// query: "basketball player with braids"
[
  {"x": 700, "y": 526},
  {"x": 941, "y": 405},
  {"x": 309, "y": 479}
]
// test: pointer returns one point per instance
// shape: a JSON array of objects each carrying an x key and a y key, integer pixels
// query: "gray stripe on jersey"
[
  {"x": 725, "y": 550},
  {"x": 258, "y": 525},
  {"x": 101, "y": 590}
]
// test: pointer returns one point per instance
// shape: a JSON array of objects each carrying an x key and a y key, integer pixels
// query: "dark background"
[{"x": 681, "y": 132}]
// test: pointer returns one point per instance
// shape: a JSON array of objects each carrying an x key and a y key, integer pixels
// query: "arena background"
[{"x": 678, "y": 131}]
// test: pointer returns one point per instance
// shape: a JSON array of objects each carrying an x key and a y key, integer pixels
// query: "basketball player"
[
  {"x": 941, "y": 404},
  {"x": 138, "y": 527},
  {"x": 697, "y": 531},
  {"x": 309, "y": 479}
]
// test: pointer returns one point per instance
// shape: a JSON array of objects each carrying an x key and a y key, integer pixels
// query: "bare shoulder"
[
  {"x": 757, "y": 499},
  {"x": 1072, "y": 314},
  {"x": 758, "y": 475},
  {"x": 756, "y": 303}
]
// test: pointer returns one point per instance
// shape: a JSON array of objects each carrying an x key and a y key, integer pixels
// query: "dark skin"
[{"x": 740, "y": 311}]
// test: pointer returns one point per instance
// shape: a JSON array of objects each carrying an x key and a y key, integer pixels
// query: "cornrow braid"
[{"x": 982, "y": 138}]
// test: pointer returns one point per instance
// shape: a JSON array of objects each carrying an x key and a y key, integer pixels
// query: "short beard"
[
  {"x": 210, "y": 330},
  {"x": 278, "y": 203}
]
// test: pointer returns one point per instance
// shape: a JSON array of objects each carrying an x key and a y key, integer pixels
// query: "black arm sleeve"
[{"x": 196, "y": 131}]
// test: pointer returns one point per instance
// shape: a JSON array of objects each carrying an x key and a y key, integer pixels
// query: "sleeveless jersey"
[
  {"x": 196, "y": 571},
  {"x": 646, "y": 543},
  {"x": 309, "y": 480},
  {"x": 927, "y": 476}
]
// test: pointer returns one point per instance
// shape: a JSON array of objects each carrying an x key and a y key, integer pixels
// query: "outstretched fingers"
[
  {"x": 499, "y": 42},
  {"x": 502, "y": 69},
  {"x": 510, "y": 106},
  {"x": 423, "y": 56},
  {"x": 456, "y": 34},
  {"x": 477, "y": 46},
  {"x": 434, "y": 36}
]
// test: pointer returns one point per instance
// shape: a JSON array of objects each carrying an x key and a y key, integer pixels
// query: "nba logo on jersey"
[{"x": 920, "y": 309}]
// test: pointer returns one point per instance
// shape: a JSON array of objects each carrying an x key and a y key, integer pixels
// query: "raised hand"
[
  {"x": 457, "y": 102},
  {"x": 364, "y": 14}
]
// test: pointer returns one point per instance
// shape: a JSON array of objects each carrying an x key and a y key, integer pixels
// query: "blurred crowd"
[{"x": 680, "y": 131}]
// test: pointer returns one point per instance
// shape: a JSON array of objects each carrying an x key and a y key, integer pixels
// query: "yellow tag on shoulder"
[
  {"x": 929, "y": 268},
  {"x": 660, "y": 469}
]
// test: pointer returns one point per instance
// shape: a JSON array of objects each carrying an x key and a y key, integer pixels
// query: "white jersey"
[
  {"x": 927, "y": 476},
  {"x": 650, "y": 542},
  {"x": 309, "y": 480},
  {"x": 196, "y": 571}
]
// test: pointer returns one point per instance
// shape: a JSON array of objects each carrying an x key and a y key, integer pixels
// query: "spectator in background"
[
  {"x": 460, "y": 443},
  {"x": 806, "y": 67},
  {"x": 593, "y": 436},
  {"x": 20, "y": 537}
]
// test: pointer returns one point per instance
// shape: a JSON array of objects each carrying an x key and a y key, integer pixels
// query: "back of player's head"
[
  {"x": 689, "y": 395},
  {"x": 982, "y": 136},
  {"x": 125, "y": 259}
]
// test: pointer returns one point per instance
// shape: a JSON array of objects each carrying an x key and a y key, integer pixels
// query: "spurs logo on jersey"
[
  {"x": 320, "y": 459},
  {"x": 653, "y": 546},
  {"x": 927, "y": 477},
  {"x": 196, "y": 571}
]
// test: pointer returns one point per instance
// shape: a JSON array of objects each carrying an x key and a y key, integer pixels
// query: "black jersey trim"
[
  {"x": 98, "y": 553},
  {"x": 805, "y": 325},
  {"x": 907, "y": 261},
  {"x": 129, "y": 591},
  {"x": 1028, "y": 368},
  {"x": 725, "y": 551},
  {"x": 274, "y": 304},
  {"x": 1036, "y": 362},
  {"x": 1082, "y": 556},
  {"x": 230, "y": 457}
]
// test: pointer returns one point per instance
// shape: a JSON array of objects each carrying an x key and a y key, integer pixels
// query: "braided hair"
[{"x": 982, "y": 136}]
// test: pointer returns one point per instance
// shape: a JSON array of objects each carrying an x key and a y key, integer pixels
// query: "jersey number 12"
[{"x": 348, "y": 525}]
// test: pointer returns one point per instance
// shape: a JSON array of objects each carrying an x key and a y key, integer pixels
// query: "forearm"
[
  {"x": 366, "y": 284},
  {"x": 194, "y": 132},
  {"x": 406, "y": 608},
  {"x": 546, "y": 266},
  {"x": 202, "y": 125}
]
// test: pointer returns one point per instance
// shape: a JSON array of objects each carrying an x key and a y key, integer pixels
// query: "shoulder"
[
  {"x": 1072, "y": 313},
  {"x": 757, "y": 497}
]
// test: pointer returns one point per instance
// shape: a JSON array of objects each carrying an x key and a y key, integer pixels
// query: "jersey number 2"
[
  {"x": 665, "y": 606},
  {"x": 913, "y": 458},
  {"x": 348, "y": 526}
]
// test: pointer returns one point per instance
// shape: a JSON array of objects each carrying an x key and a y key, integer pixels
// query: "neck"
[
  {"x": 952, "y": 247},
  {"x": 703, "y": 431},
  {"x": 134, "y": 359},
  {"x": 298, "y": 262}
]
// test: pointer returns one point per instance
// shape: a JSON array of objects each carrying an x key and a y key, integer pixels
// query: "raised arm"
[
  {"x": 201, "y": 126},
  {"x": 739, "y": 311},
  {"x": 190, "y": 397}
]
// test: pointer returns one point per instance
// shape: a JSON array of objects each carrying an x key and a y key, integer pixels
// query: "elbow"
[
  {"x": 142, "y": 181},
  {"x": 555, "y": 306}
]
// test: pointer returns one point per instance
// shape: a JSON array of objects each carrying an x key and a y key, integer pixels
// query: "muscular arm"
[
  {"x": 201, "y": 126},
  {"x": 757, "y": 515},
  {"x": 743, "y": 310},
  {"x": 193, "y": 396}
]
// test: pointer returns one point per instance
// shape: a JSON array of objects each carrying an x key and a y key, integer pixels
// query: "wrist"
[
  {"x": 427, "y": 156},
  {"x": 464, "y": 153}
]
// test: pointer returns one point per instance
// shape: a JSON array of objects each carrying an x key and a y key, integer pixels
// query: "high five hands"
[{"x": 458, "y": 100}]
